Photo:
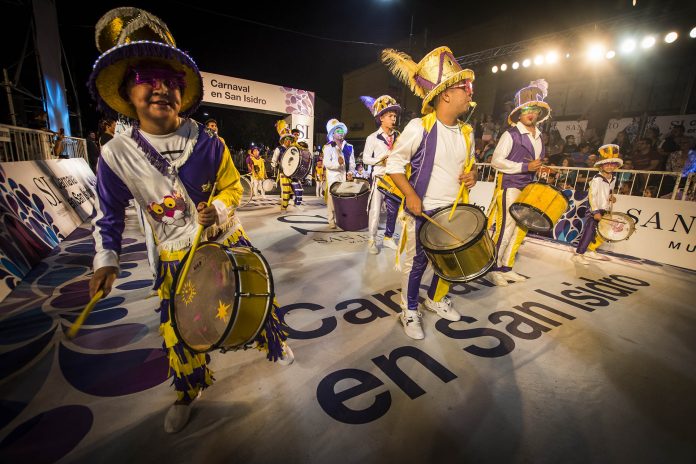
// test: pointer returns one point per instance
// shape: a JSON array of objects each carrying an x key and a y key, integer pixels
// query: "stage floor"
[{"x": 543, "y": 371}]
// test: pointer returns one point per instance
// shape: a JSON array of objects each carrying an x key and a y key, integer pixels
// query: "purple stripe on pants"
[
  {"x": 589, "y": 230},
  {"x": 392, "y": 211},
  {"x": 420, "y": 264}
]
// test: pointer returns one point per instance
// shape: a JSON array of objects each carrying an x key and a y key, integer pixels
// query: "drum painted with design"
[
  {"x": 350, "y": 203},
  {"x": 615, "y": 227},
  {"x": 453, "y": 260},
  {"x": 539, "y": 207},
  {"x": 268, "y": 185},
  {"x": 296, "y": 162},
  {"x": 226, "y": 299}
]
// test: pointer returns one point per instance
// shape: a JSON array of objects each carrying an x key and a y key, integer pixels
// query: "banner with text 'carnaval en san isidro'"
[{"x": 41, "y": 203}]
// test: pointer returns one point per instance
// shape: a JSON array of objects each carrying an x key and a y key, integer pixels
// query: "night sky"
[{"x": 222, "y": 44}]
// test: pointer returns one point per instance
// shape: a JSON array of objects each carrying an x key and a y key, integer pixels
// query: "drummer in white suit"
[
  {"x": 377, "y": 146},
  {"x": 338, "y": 158}
]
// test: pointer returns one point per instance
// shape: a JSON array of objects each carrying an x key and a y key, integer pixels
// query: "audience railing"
[{"x": 22, "y": 144}]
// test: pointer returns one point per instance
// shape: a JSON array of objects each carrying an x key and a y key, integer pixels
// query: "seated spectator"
[
  {"x": 361, "y": 173},
  {"x": 570, "y": 146},
  {"x": 625, "y": 177},
  {"x": 644, "y": 157},
  {"x": 578, "y": 158},
  {"x": 671, "y": 142},
  {"x": 653, "y": 134},
  {"x": 625, "y": 189},
  {"x": 650, "y": 191},
  {"x": 623, "y": 142}
]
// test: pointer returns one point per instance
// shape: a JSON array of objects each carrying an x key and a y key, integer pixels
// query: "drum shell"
[
  {"x": 350, "y": 210},
  {"x": 544, "y": 202},
  {"x": 304, "y": 165},
  {"x": 466, "y": 262},
  {"x": 251, "y": 306},
  {"x": 605, "y": 228}
]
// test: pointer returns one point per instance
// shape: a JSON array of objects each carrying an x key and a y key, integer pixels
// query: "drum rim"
[
  {"x": 534, "y": 208},
  {"x": 453, "y": 250},
  {"x": 225, "y": 334},
  {"x": 611, "y": 240},
  {"x": 352, "y": 195},
  {"x": 548, "y": 185}
]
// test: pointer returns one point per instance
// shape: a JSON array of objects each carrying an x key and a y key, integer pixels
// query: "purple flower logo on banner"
[{"x": 298, "y": 101}]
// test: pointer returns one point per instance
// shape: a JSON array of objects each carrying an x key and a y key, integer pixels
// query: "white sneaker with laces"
[
  {"x": 390, "y": 243},
  {"x": 515, "y": 277},
  {"x": 372, "y": 247},
  {"x": 177, "y": 417},
  {"x": 288, "y": 357},
  {"x": 443, "y": 308},
  {"x": 580, "y": 259},
  {"x": 498, "y": 279},
  {"x": 595, "y": 255},
  {"x": 411, "y": 320}
]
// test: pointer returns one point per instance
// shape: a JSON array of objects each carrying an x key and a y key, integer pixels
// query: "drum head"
[
  {"x": 268, "y": 185},
  {"x": 203, "y": 309},
  {"x": 290, "y": 161},
  {"x": 530, "y": 217},
  {"x": 468, "y": 223},
  {"x": 615, "y": 227},
  {"x": 349, "y": 189}
]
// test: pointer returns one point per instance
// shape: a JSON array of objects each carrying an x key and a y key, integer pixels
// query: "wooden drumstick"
[
  {"x": 194, "y": 245},
  {"x": 462, "y": 193},
  {"x": 441, "y": 227},
  {"x": 83, "y": 315}
]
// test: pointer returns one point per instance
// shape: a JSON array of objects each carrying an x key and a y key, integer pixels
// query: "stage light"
[
  {"x": 692, "y": 33},
  {"x": 551, "y": 57},
  {"x": 628, "y": 45},
  {"x": 595, "y": 52},
  {"x": 539, "y": 59},
  {"x": 671, "y": 37},
  {"x": 567, "y": 56},
  {"x": 515, "y": 65},
  {"x": 610, "y": 54},
  {"x": 205, "y": 114},
  {"x": 494, "y": 69},
  {"x": 503, "y": 67},
  {"x": 647, "y": 42},
  {"x": 526, "y": 62}
]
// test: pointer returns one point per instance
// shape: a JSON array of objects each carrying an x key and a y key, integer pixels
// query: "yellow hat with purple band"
[
  {"x": 531, "y": 97},
  {"x": 609, "y": 153}
]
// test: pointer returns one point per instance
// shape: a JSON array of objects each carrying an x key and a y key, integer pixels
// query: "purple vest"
[
  {"x": 422, "y": 162},
  {"x": 522, "y": 152}
]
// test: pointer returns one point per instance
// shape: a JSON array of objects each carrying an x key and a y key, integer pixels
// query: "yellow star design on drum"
[
  {"x": 222, "y": 310},
  {"x": 188, "y": 292}
]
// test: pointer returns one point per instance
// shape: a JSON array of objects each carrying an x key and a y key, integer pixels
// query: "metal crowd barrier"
[
  {"x": 22, "y": 144},
  {"x": 662, "y": 184}
]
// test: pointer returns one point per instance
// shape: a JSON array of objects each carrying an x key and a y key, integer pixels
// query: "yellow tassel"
[{"x": 404, "y": 68}]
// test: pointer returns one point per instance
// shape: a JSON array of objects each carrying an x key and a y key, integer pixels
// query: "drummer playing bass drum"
[
  {"x": 338, "y": 158},
  {"x": 517, "y": 157}
]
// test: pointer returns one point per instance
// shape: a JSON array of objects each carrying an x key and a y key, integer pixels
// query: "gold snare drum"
[
  {"x": 386, "y": 185},
  {"x": 458, "y": 261},
  {"x": 226, "y": 299},
  {"x": 539, "y": 207}
]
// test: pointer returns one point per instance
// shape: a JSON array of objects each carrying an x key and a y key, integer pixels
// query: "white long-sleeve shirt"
[
  {"x": 450, "y": 157},
  {"x": 502, "y": 150},
  {"x": 600, "y": 192},
  {"x": 336, "y": 172},
  {"x": 377, "y": 151}
]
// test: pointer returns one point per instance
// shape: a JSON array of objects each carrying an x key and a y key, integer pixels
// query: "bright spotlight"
[
  {"x": 503, "y": 67},
  {"x": 595, "y": 52},
  {"x": 647, "y": 42},
  {"x": 494, "y": 69},
  {"x": 692, "y": 33},
  {"x": 610, "y": 54},
  {"x": 515, "y": 65},
  {"x": 671, "y": 37},
  {"x": 628, "y": 45},
  {"x": 567, "y": 56},
  {"x": 551, "y": 57},
  {"x": 539, "y": 59},
  {"x": 526, "y": 62}
]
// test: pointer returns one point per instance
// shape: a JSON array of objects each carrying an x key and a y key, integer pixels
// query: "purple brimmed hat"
[{"x": 127, "y": 36}]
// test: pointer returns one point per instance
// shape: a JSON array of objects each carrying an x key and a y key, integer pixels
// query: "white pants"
[
  {"x": 330, "y": 212},
  {"x": 257, "y": 187},
  {"x": 321, "y": 186},
  {"x": 508, "y": 235}
]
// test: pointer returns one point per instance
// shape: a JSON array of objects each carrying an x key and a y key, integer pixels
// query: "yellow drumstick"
[
  {"x": 441, "y": 227},
  {"x": 463, "y": 194},
  {"x": 194, "y": 245},
  {"x": 83, "y": 315}
]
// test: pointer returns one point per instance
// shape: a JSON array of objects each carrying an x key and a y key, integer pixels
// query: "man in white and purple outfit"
[
  {"x": 377, "y": 146},
  {"x": 517, "y": 157}
]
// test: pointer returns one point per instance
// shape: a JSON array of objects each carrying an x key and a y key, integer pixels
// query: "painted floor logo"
[{"x": 526, "y": 321}]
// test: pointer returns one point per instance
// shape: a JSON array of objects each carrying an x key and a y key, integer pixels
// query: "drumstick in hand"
[
  {"x": 189, "y": 258},
  {"x": 83, "y": 315},
  {"x": 441, "y": 227},
  {"x": 464, "y": 195}
]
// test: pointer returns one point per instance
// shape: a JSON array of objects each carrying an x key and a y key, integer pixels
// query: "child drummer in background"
[{"x": 601, "y": 200}]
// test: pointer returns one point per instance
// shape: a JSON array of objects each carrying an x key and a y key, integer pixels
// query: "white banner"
[
  {"x": 566, "y": 128},
  {"x": 665, "y": 123},
  {"x": 629, "y": 125}
]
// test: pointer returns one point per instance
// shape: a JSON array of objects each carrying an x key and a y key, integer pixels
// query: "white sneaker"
[
  {"x": 498, "y": 279},
  {"x": 443, "y": 308},
  {"x": 372, "y": 247},
  {"x": 288, "y": 357},
  {"x": 515, "y": 277},
  {"x": 411, "y": 320},
  {"x": 177, "y": 417},
  {"x": 580, "y": 259},
  {"x": 390, "y": 243},
  {"x": 595, "y": 255}
]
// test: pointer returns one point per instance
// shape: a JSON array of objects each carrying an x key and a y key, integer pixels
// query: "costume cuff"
[
  {"x": 222, "y": 211},
  {"x": 105, "y": 258},
  {"x": 525, "y": 167}
]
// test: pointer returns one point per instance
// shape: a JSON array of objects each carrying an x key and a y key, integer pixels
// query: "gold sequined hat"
[
  {"x": 380, "y": 105},
  {"x": 531, "y": 96},
  {"x": 609, "y": 153},
  {"x": 428, "y": 78},
  {"x": 127, "y": 36}
]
